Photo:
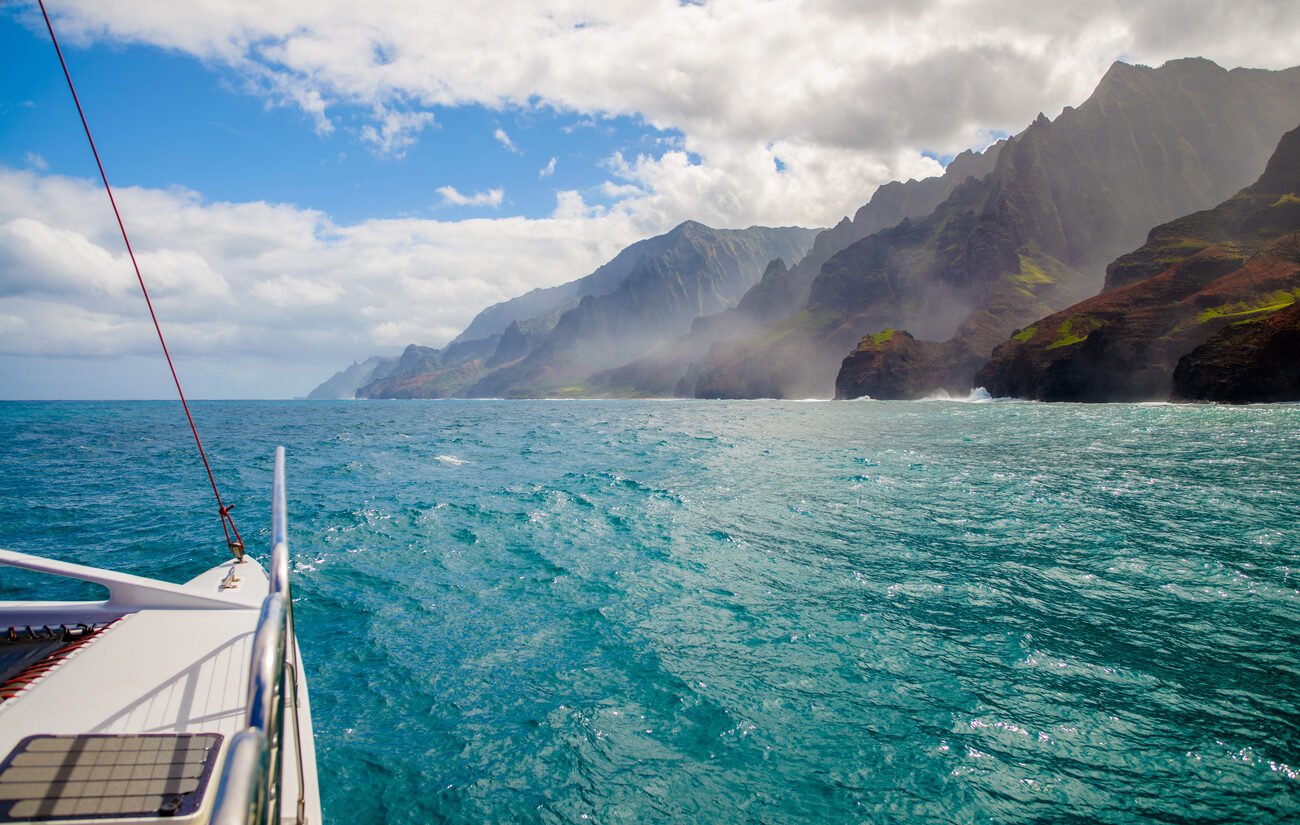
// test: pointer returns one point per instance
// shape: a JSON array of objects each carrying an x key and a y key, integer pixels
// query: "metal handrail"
[
  {"x": 249, "y": 791},
  {"x": 240, "y": 798}
]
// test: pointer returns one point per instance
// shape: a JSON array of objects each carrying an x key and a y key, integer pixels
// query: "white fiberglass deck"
[{"x": 177, "y": 663}]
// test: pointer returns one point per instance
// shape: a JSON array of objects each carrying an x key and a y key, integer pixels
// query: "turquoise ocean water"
[{"x": 625, "y": 612}]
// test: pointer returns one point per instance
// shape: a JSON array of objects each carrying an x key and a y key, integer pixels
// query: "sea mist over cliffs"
[{"x": 910, "y": 296}]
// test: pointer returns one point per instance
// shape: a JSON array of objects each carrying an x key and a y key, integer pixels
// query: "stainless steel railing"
[{"x": 249, "y": 790}]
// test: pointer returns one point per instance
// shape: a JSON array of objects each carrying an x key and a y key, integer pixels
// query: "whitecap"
[
  {"x": 979, "y": 395},
  {"x": 451, "y": 459}
]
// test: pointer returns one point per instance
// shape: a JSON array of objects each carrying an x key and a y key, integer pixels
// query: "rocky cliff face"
[
  {"x": 903, "y": 368},
  {"x": 1245, "y": 363},
  {"x": 648, "y": 294},
  {"x": 543, "y": 307},
  {"x": 779, "y": 294},
  {"x": 674, "y": 367},
  {"x": 1199, "y": 298},
  {"x": 346, "y": 382},
  {"x": 693, "y": 271},
  {"x": 425, "y": 372},
  {"x": 1064, "y": 199}
]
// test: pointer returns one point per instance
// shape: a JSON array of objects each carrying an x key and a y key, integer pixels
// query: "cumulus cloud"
[
  {"x": 501, "y": 137},
  {"x": 394, "y": 131},
  {"x": 452, "y": 197},
  {"x": 39, "y": 259},
  {"x": 291, "y": 292},
  {"x": 549, "y": 169},
  {"x": 854, "y": 93},
  {"x": 571, "y": 206},
  {"x": 259, "y": 299}
]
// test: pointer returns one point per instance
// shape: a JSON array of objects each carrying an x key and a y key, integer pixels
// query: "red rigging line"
[{"x": 236, "y": 544}]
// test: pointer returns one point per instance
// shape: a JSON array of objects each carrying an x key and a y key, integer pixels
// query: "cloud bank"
[
  {"x": 282, "y": 292},
  {"x": 844, "y": 94}
]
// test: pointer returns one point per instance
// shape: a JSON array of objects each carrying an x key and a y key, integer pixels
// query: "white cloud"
[
  {"x": 35, "y": 161},
  {"x": 549, "y": 169},
  {"x": 290, "y": 292},
  {"x": 620, "y": 191},
  {"x": 452, "y": 197},
  {"x": 504, "y": 139},
  {"x": 396, "y": 130},
  {"x": 257, "y": 299},
  {"x": 570, "y": 206},
  {"x": 39, "y": 259},
  {"x": 851, "y": 92}
]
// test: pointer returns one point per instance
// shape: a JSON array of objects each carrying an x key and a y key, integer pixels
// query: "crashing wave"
[{"x": 979, "y": 395}]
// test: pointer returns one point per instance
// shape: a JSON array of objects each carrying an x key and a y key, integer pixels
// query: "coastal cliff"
[
  {"x": 1204, "y": 310},
  {"x": 647, "y": 295},
  {"x": 920, "y": 286},
  {"x": 1064, "y": 199}
]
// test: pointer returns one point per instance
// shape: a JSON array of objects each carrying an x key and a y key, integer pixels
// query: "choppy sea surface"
[{"x": 738, "y": 612}]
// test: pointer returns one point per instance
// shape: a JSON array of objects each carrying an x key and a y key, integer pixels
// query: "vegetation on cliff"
[
  {"x": 1203, "y": 310},
  {"x": 947, "y": 268},
  {"x": 1064, "y": 199}
]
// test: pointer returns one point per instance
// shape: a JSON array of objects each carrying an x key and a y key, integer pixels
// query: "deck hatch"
[{"x": 94, "y": 776}]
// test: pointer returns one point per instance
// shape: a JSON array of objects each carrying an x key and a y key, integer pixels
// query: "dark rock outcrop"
[
  {"x": 891, "y": 365},
  {"x": 1248, "y": 362}
]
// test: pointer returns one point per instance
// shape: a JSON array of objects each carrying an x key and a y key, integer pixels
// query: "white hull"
[{"x": 174, "y": 659}]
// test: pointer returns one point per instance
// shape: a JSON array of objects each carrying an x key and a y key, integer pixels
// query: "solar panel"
[{"x": 97, "y": 776}]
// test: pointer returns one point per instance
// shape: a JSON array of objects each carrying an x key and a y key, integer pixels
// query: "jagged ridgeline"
[
  {"x": 1204, "y": 310},
  {"x": 550, "y": 342},
  {"x": 925, "y": 280},
  {"x": 512, "y": 329},
  {"x": 672, "y": 368},
  {"x": 344, "y": 383},
  {"x": 1064, "y": 198}
]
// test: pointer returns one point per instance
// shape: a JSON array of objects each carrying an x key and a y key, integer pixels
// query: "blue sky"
[
  {"x": 308, "y": 184},
  {"x": 161, "y": 118}
]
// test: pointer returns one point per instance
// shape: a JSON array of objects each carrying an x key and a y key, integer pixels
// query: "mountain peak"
[
  {"x": 1192, "y": 64},
  {"x": 689, "y": 226},
  {"x": 1121, "y": 73},
  {"x": 1282, "y": 175}
]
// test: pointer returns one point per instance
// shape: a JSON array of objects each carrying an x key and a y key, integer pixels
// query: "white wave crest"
[{"x": 979, "y": 395}]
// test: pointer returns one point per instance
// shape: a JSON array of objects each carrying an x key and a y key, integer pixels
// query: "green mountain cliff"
[
  {"x": 649, "y": 293},
  {"x": 669, "y": 370},
  {"x": 1034, "y": 235},
  {"x": 1204, "y": 310}
]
